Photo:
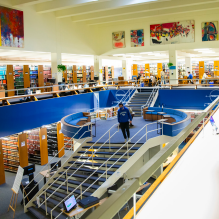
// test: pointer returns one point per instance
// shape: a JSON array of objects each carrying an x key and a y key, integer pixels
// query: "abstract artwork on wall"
[
  {"x": 12, "y": 27},
  {"x": 137, "y": 38},
  {"x": 118, "y": 39},
  {"x": 210, "y": 31},
  {"x": 172, "y": 33}
]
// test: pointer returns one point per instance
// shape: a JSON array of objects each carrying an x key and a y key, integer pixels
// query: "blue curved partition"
[
  {"x": 173, "y": 129},
  {"x": 71, "y": 129}
]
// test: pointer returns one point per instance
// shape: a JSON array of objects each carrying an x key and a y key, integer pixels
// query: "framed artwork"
[
  {"x": 118, "y": 39},
  {"x": 137, "y": 38},
  {"x": 172, "y": 33},
  {"x": 12, "y": 27},
  {"x": 210, "y": 31}
]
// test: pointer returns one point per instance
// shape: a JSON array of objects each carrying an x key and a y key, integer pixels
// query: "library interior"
[{"x": 109, "y": 109}]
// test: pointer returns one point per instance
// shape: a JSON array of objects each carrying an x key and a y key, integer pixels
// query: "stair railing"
[
  {"x": 105, "y": 163},
  {"x": 65, "y": 172},
  {"x": 47, "y": 166},
  {"x": 150, "y": 99}
]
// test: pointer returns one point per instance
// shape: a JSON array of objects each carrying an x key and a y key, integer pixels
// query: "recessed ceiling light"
[{"x": 118, "y": 54}]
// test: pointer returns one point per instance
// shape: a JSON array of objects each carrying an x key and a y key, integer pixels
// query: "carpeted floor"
[{"x": 103, "y": 126}]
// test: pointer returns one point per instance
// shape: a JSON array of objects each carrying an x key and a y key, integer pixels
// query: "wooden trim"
[
  {"x": 65, "y": 74},
  {"x": 23, "y": 151},
  {"x": 60, "y": 140},
  {"x": 84, "y": 74},
  {"x": 26, "y": 75},
  {"x": 201, "y": 70},
  {"x": 43, "y": 146},
  {"x": 92, "y": 72},
  {"x": 74, "y": 70},
  {"x": 40, "y": 77},
  {"x": 135, "y": 69},
  {"x": 159, "y": 69},
  {"x": 165, "y": 173},
  {"x": 216, "y": 66},
  {"x": 10, "y": 80},
  {"x": 112, "y": 71},
  {"x": 2, "y": 168}
]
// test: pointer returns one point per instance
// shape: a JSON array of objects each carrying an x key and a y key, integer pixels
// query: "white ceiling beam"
[
  {"x": 26, "y": 2},
  {"x": 102, "y": 6},
  {"x": 137, "y": 9},
  {"x": 155, "y": 13},
  {"x": 56, "y": 5}
]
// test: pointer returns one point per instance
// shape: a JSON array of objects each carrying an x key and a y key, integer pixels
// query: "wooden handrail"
[{"x": 161, "y": 178}]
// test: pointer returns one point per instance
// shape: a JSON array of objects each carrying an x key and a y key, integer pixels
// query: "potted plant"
[
  {"x": 61, "y": 68},
  {"x": 169, "y": 64}
]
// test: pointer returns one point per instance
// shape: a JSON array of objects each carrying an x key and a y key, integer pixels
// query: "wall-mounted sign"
[
  {"x": 22, "y": 143},
  {"x": 26, "y": 73},
  {"x": 10, "y": 73},
  {"x": 201, "y": 66},
  {"x": 43, "y": 137},
  {"x": 41, "y": 72}
]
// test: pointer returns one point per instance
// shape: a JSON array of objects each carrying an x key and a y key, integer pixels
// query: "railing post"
[
  {"x": 46, "y": 204},
  {"x": 146, "y": 132},
  {"x": 134, "y": 205},
  {"x": 109, "y": 141},
  {"x": 81, "y": 190},
  {"x": 92, "y": 155},
  {"x": 106, "y": 170},
  {"x": 127, "y": 149}
]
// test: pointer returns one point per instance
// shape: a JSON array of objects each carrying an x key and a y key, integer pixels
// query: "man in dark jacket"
[{"x": 124, "y": 117}]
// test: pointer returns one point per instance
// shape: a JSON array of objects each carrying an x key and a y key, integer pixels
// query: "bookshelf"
[
  {"x": 201, "y": 69},
  {"x": 10, "y": 80},
  {"x": 15, "y": 152},
  {"x": 47, "y": 73},
  {"x": 147, "y": 70},
  {"x": 69, "y": 74},
  {"x": 37, "y": 146},
  {"x": 105, "y": 73},
  {"x": 74, "y": 74},
  {"x": 135, "y": 69},
  {"x": 33, "y": 76},
  {"x": 79, "y": 71},
  {"x": 215, "y": 67},
  {"x": 26, "y": 74},
  {"x": 40, "y": 77},
  {"x": 195, "y": 68},
  {"x": 19, "y": 79},
  {"x": 181, "y": 66},
  {"x": 67, "y": 142},
  {"x": 2, "y": 168},
  {"x": 3, "y": 77},
  {"x": 141, "y": 70},
  {"x": 153, "y": 68},
  {"x": 159, "y": 69},
  {"x": 89, "y": 73}
]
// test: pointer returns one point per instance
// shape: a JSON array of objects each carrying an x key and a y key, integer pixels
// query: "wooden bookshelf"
[
  {"x": 92, "y": 73},
  {"x": 2, "y": 168},
  {"x": 74, "y": 70},
  {"x": 26, "y": 73},
  {"x": 112, "y": 71},
  {"x": 84, "y": 73},
  {"x": 147, "y": 69},
  {"x": 135, "y": 69},
  {"x": 10, "y": 80},
  {"x": 201, "y": 69},
  {"x": 40, "y": 77},
  {"x": 65, "y": 75},
  {"x": 159, "y": 69},
  {"x": 216, "y": 66},
  {"x": 60, "y": 140},
  {"x": 37, "y": 146}
]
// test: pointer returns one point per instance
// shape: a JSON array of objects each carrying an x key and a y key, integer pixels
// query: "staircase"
[
  {"x": 86, "y": 171},
  {"x": 139, "y": 99}
]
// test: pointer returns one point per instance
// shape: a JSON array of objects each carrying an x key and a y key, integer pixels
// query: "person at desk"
[
  {"x": 190, "y": 77},
  {"x": 124, "y": 118},
  {"x": 27, "y": 92},
  {"x": 154, "y": 80},
  {"x": 138, "y": 78}
]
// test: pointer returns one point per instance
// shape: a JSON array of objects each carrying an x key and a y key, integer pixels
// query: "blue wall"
[{"x": 186, "y": 99}]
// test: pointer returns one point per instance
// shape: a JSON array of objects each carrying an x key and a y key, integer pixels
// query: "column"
[
  {"x": 188, "y": 62},
  {"x": 174, "y": 69},
  {"x": 126, "y": 69},
  {"x": 56, "y": 60},
  {"x": 98, "y": 67}
]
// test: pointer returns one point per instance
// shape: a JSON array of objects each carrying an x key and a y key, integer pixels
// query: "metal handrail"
[
  {"x": 108, "y": 160},
  {"x": 50, "y": 163},
  {"x": 76, "y": 161}
]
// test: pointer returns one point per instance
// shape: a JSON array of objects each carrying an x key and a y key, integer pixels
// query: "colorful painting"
[
  {"x": 118, "y": 39},
  {"x": 172, "y": 33},
  {"x": 12, "y": 27},
  {"x": 210, "y": 31},
  {"x": 137, "y": 38}
]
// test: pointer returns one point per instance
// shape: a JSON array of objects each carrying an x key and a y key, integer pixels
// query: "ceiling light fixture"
[{"x": 118, "y": 54}]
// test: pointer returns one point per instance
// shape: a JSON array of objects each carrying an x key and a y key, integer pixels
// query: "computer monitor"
[
  {"x": 96, "y": 78},
  {"x": 29, "y": 169},
  {"x": 54, "y": 166},
  {"x": 70, "y": 204},
  {"x": 52, "y": 80}
]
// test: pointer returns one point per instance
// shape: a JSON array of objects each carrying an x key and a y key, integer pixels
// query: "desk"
[
  {"x": 79, "y": 209},
  {"x": 47, "y": 174},
  {"x": 160, "y": 113},
  {"x": 150, "y": 111},
  {"x": 169, "y": 118}
]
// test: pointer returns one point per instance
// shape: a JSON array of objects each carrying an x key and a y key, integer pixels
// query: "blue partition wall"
[{"x": 186, "y": 99}]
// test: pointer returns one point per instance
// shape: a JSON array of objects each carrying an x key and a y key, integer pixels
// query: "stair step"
[
  {"x": 86, "y": 176},
  {"x": 55, "y": 213},
  {"x": 53, "y": 201},
  {"x": 71, "y": 189},
  {"x": 95, "y": 164},
  {"x": 78, "y": 183},
  {"x": 101, "y": 158},
  {"x": 113, "y": 148},
  {"x": 58, "y": 194},
  {"x": 105, "y": 153},
  {"x": 89, "y": 170},
  {"x": 37, "y": 213}
]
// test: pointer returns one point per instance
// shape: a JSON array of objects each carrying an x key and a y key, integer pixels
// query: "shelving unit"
[
  {"x": 89, "y": 73},
  {"x": 47, "y": 73},
  {"x": 19, "y": 79},
  {"x": 40, "y": 77},
  {"x": 2, "y": 168},
  {"x": 10, "y": 80},
  {"x": 69, "y": 74},
  {"x": 15, "y": 152},
  {"x": 110, "y": 72},
  {"x": 153, "y": 68},
  {"x": 181, "y": 66},
  {"x": 33, "y": 76},
  {"x": 55, "y": 139},
  {"x": 159, "y": 69},
  {"x": 216, "y": 68},
  {"x": 147, "y": 70},
  {"x": 141, "y": 70},
  {"x": 105, "y": 73},
  {"x": 3, "y": 77},
  {"x": 135, "y": 70},
  {"x": 37, "y": 146},
  {"x": 195, "y": 68},
  {"x": 201, "y": 69},
  {"x": 67, "y": 142}
]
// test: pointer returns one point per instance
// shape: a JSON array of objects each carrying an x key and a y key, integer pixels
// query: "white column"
[
  {"x": 126, "y": 69},
  {"x": 56, "y": 59},
  {"x": 188, "y": 61},
  {"x": 98, "y": 67},
  {"x": 174, "y": 72}
]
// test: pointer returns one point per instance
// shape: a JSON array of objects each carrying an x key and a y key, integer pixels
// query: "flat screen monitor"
[
  {"x": 54, "y": 166},
  {"x": 52, "y": 80},
  {"x": 70, "y": 204},
  {"x": 29, "y": 169},
  {"x": 96, "y": 78}
]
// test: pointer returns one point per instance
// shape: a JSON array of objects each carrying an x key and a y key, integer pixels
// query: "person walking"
[
  {"x": 124, "y": 118},
  {"x": 162, "y": 77}
]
